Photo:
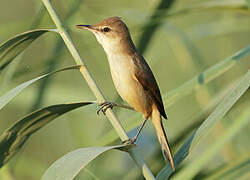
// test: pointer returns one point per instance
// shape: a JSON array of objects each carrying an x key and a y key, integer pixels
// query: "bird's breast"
[
  {"x": 131, "y": 91},
  {"x": 122, "y": 73}
]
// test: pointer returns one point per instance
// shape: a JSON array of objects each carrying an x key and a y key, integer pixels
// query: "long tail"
[{"x": 161, "y": 134}]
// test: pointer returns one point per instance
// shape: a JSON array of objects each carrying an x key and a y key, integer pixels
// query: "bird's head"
[{"x": 109, "y": 32}]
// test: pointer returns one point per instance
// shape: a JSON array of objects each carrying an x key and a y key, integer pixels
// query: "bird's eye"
[{"x": 106, "y": 29}]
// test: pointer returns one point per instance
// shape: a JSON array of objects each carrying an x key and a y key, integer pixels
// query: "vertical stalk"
[{"x": 94, "y": 88}]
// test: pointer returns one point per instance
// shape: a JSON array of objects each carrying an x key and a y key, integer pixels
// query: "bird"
[{"x": 132, "y": 77}]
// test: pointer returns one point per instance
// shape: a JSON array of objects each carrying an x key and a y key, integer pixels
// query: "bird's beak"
[{"x": 86, "y": 27}]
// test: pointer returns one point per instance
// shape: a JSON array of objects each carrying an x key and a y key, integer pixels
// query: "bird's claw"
[
  {"x": 104, "y": 106},
  {"x": 129, "y": 141}
]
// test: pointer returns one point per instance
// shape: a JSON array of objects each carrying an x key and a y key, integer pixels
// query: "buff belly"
[{"x": 128, "y": 87}]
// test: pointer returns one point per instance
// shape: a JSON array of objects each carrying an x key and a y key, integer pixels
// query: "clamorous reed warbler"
[{"x": 132, "y": 77}]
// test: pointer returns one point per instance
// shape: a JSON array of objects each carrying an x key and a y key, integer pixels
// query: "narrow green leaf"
[
  {"x": 206, "y": 76},
  {"x": 223, "y": 3},
  {"x": 220, "y": 28},
  {"x": 205, "y": 129},
  {"x": 201, "y": 160},
  {"x": 235, "y": 169},
  {"x": 248, "y": 3},
  {"x": 221, "y": 109},
  {"x": 13, "y": 138},
  {"x": 68, "y": 166},
  {"x": 5, "y": 99},
  {"x": 154, "y": 22},
  {"x": 239, "y": 5},
  {"x": 14, "y": 46}
]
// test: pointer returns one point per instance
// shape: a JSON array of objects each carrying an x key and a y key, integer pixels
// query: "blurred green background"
[{"x": 190, "y": 36}]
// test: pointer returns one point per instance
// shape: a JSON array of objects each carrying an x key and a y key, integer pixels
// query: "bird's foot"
[
  {"x": 104, "y": 106},
  {"x": 129, "y": 141}
]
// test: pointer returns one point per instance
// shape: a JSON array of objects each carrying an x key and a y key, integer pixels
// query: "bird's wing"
[{"x": 146, "y": 78}]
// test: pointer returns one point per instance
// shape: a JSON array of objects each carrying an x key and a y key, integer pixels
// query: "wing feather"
[{"x": 146, "y": 78}]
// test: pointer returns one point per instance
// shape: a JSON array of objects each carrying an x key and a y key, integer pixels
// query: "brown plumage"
[{"x": 131, "y": 75}]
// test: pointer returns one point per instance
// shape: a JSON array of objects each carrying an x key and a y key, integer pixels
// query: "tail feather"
[{"x": 161, "y": 134}]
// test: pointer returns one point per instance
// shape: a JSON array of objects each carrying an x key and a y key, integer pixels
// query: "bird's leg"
[
  {"x": 106, "y": 105},
  {"x": 133, "y": 140}
]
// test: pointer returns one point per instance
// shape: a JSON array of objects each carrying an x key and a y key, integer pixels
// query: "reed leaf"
[
  {"x": 13, "y": 138},
  {"x": 236, "y": 6},
  {"x": 235, "y": 169},
  {"x": 6, "y": 98},
  {"x": 205, "y": 77},
  {"x": 68, "y": 166},
  {"x": 14, "y": 46}
]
